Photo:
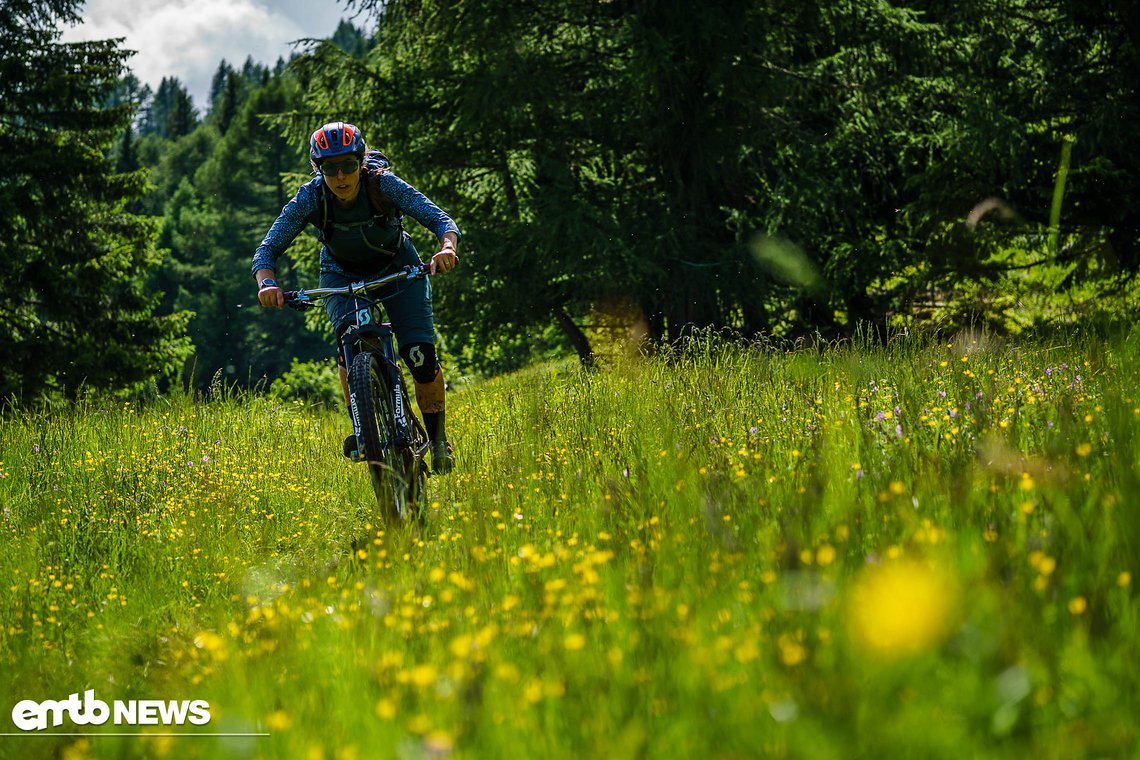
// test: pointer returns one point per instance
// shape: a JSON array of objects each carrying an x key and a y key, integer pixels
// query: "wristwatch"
[{"x": 268, "y": 282}]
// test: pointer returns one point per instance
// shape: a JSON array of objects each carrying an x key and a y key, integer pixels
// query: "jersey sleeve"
[
  {"x": 416, "y": 205},
  {"x": 298, "y": 212}
]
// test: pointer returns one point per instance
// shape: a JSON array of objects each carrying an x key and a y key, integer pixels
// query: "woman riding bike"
[{"x": 356, "y": 204}]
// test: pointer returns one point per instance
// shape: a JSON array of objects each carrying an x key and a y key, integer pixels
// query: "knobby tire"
[{"x": 398, "y": 477}]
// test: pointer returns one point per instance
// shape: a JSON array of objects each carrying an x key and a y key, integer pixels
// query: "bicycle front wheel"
[{"x": 387, "y": 467}]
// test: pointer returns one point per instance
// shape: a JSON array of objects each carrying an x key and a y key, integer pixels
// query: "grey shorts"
[{"x": 407, "y": 305}]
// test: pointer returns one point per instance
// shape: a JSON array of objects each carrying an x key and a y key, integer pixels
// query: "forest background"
[{"x": 617, "y": 168}]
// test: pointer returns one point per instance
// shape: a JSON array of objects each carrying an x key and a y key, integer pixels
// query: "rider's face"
[{"x": 344, "y": 185}]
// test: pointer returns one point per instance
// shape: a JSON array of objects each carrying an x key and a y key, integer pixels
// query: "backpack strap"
[
  {"x": 382, "y": 205},
  {"x": 326, "y": 217}
]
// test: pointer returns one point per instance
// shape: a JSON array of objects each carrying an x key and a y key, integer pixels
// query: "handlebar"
[{"x": 306, "y": 299}]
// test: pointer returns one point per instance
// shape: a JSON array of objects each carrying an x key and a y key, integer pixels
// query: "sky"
[{"x": 189, "y": 38}]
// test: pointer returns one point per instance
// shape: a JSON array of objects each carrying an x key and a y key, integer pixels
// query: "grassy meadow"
[{"x": 927, "y": 549}]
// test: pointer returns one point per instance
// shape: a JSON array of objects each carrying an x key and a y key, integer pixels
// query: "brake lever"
[{"x": 298, "y": 300}]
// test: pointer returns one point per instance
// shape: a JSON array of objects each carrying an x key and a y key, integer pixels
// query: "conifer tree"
[{"x": 74, "y": 308}]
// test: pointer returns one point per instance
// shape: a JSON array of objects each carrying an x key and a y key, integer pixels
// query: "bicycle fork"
[{"x": 366, "y": 335}]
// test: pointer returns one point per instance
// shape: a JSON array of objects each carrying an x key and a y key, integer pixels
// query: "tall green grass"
[{"x": 924, "y": 549}]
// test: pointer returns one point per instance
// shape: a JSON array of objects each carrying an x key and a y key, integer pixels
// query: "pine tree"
[
  {"x": 184, "y": 117},
  {"x": 219, "y": 81},
  {"x": 75, "y": 311},
  {"x": 172, "y": 113},
  {"x": 350, "y": 39},
  {"x": 228, "y": 102},
  {"x": 127, "y": 160}
]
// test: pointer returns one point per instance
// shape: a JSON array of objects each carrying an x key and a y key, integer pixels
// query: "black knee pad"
[{"x": 420, "y": 360}]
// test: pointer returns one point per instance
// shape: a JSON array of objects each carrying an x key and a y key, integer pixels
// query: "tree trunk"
[{"x": 577, "y": 338}]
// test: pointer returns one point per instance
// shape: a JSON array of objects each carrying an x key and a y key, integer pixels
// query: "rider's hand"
[
  {"x": 271, "y": 296},
  {"x": 444, "y": 261}
]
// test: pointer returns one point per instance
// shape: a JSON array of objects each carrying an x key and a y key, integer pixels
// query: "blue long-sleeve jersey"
[{"x": 305, "y": 208}]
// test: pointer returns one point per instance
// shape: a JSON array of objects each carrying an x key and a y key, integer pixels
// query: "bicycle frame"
[
  {"x": 356, "y": 339},
  {"x": 364, "y": 333}
]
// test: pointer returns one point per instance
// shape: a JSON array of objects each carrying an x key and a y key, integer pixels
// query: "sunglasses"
[{"x": 348, "y": 167}]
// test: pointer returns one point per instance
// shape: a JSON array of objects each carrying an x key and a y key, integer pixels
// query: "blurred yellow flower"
[
  {"x": 1042, "y": 562},
  {"x": 461, "y": 645},
  {"x": 532, "y": 692},
  {"x": 747, "y": 650},
  {"x": 439, "y": 743},
  {"x": 423, "y": 675},
  {"x": 575, "y": 641},
  {"x": 792, "y": 650},
  {"x": 212, "y": 643},
  {"x": 901, "y": 608},
  {"x": 507, "y": 671},
  {"x": 1078, "y": 605},
  {"x": 80, "y": 750},
  {"x": 278, "y": 720},
  {"x": 420, "y": 724}
]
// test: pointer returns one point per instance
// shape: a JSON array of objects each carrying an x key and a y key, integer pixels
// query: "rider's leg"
[
  {"x": 340, "y": 370},
  {"x": 427, "y": 376},
  {"x": 340, "y": 311},
  {"x": 349, "y": 442},
  {"x": 413, "y": 321}
]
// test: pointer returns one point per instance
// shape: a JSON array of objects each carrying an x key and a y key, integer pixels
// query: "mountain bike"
[{"x": 389, "y": 436}]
